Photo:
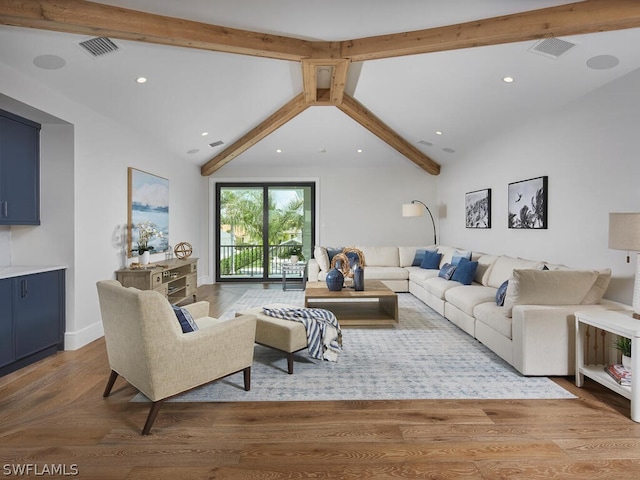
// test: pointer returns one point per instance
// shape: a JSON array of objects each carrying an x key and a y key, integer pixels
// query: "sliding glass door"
[{"x": 261, "y": 225}]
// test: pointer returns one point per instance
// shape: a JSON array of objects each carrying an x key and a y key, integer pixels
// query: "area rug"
[{"x": 423, "y": 357}]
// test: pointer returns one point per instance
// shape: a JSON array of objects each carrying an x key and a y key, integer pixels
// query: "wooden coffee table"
[{"x": 375, "y": 306}]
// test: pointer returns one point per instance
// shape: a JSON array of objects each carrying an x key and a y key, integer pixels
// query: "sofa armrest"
[
  {"x": 544, "y": 337},
  {"x": 198, "y": 309},
  {"x": 313, "y": 269}
]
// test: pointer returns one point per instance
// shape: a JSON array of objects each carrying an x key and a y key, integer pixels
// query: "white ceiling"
[{"x": 460, "y": 93}]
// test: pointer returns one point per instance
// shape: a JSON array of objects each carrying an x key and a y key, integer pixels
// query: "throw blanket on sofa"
[{"x": 324, "y": 337}]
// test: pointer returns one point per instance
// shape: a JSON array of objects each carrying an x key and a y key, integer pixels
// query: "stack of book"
[{"x": 619, "y": 373}]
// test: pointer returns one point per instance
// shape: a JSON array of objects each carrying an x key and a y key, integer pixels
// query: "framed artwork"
[
  {"x": 528, "y": 203},
  {"x": 148, "y": 199},
  {"x": 477, "y": 209}
]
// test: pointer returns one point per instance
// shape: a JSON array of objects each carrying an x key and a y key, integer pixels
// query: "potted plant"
[
  {"x": 624, "y": 345},
  {"x": 295, "y": 253},
  {"x": 146, "y": 232}
]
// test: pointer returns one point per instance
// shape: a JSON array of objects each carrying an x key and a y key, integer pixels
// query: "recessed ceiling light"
[
  {"x": 49, "y": 62},
  {"x": 322, "y": 150},
  {"x": 438, "y": 132},
  {"x": 507, "y": 79},
  {"x": 359, "y": 150},
  {"x": 278, "y": 151},
  {"x": 141, "y": 79},
  {"x": 204, "y": 134}
]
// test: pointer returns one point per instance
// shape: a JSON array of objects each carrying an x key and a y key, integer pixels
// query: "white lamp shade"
[
  {"x": 412, "y": 210},
  {"x": 624, "y": 231}
]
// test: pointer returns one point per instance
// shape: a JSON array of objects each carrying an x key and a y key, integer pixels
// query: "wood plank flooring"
[{"x": 52, "y": 415}]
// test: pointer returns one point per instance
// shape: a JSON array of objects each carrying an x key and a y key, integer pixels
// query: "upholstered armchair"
[{"x": 146, "y": 344}]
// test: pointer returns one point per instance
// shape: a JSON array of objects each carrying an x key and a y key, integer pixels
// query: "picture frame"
[
  {"x": 477, "y": 209},
  {"x": 528, "y": 204},
  {"x": 148, "y": 201}
]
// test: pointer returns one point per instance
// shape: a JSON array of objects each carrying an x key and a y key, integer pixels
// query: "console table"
[
  {"x": 618, "y": 323},
  {"x": 175, "y": 279}
]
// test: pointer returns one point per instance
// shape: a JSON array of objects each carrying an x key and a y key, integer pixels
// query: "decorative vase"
[
  {"x": 144, "y": 258},
  {"x": 335, "y": 280},
  {"x": 626, "y": 362},
  {"x": 294, "y": 259},
  {"x": 358, "y": 278}
]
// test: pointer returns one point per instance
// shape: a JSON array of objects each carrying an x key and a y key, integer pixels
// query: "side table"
[
  {"x": 618, "y": 323},
  {"x": 299, "y": 270}
]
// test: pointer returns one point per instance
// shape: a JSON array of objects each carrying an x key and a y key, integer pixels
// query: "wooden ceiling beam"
[
  {"x": 96, "y": 19},
  {"x": 371, "y": 122},
  {"x": 294, "y": 107},
  {"x": 337, "y": 80},
  {"x": 590, "y": 16}
]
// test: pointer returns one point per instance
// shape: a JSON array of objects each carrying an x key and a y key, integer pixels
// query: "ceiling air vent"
[
  {"x": 552, "y": 47},
  {"x": 99, "y": 46},
  {"x": 216, "y": 143}
]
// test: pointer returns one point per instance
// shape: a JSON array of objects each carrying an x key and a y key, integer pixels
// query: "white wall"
[
  {"x": 84, "y": 200},
  {"x": 589, "y": 150}
]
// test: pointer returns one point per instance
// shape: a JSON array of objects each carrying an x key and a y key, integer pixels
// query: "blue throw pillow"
[
  {"x": 457, "y": 255},
  {"x": 465, "y": 271},
  {"x": 501, "y": 293},
  {"x": 446, "y": 271},
  {"x": 417, "y": 260},
  {"x": 431, "y": 260},
  {"x": 187, "y": 322},
  {"x": 332, "y": 252}
]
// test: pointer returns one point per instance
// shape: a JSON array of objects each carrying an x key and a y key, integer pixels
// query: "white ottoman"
[{"x": 284, "y": 335}]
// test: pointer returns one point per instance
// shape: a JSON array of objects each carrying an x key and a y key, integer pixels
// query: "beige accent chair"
[{"x": 146, "y": 346}]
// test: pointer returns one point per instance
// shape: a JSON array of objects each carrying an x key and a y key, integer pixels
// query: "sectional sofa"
[{"x": 521, "y": 309}]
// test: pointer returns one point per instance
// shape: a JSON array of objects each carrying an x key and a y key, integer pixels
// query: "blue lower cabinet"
[{"x": 36, "y": 323}]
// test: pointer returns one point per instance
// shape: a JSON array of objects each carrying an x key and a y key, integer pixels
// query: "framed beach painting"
[
  {"x": 477, "y": 209},
  {"x": 148, "y": 199},
  {"x": 528, "y": 203}
]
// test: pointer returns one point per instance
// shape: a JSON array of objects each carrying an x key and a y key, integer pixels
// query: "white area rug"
[{"x": 424, "y": 357}]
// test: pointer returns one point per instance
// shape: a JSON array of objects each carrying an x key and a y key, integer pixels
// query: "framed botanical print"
[
  {"x": 528, "y": 203},
  {"x": 477, "y": 209}
]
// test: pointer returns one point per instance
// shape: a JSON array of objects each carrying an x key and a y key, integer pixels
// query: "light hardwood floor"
[{"x": 52, "y": 415}]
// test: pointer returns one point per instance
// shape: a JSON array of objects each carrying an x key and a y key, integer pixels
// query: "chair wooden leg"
[
  {"x": 110, "y": 382},
  {"x": 290, "y": 363},
  {"x": 247, "y": 379},
  {"x": 153, "y": 413}
]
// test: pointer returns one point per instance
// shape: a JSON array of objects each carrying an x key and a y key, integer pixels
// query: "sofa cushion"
[
  {"x": 385, "y": 273},
  {"x": 322, "y": 257},
  {"x": 466, "y": 297},
  {"x": 493, "y": 316},
  {"x": 596, "y": 293},
  {"x": 437, "y": 286},
  {"x": 465, "y": 271},
  {"x": 505, "y": 265},
  {"x": 548, "y": 287},
  {"x": 431, "y": 261},
  {"x": 447, "y": 254},
  {"x": 380, "y": 256},
  {"x": 419, "y": 275},
  {"x": 446, "y": 271},
  {"x": 485, "y": 262}
]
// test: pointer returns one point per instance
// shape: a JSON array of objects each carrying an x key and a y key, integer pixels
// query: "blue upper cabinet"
[{"x": 19, "y": 170}]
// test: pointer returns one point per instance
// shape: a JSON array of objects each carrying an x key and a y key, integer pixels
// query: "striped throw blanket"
[{"x": 324, "y": 337}]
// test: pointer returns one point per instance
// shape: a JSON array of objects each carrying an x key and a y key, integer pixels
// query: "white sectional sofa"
[{"x": 535, "y": 328}]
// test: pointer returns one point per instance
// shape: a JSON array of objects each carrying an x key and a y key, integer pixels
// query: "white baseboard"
[{"x": 76, "y": 340}]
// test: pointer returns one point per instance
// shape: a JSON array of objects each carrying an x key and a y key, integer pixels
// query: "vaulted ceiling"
[{"x": 318, "y": 81}]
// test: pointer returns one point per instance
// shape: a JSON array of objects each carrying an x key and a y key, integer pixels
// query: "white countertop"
[{"x": 19, "y": 270}]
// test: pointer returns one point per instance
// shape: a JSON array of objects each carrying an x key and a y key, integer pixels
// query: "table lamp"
[{"x": 624, "y": 234}]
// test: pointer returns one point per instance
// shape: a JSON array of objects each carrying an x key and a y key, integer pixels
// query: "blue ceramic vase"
[
  {"x": 335, "y": 280},
  {"x": 358, "y": 278}
]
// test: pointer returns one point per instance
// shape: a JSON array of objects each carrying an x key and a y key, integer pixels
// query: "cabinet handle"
[
  {"x": 24, "y": 288},
  {"x": 5, "y": 209}
]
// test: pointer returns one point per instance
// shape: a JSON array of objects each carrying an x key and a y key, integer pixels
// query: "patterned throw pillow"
[
  {"x": 187, "y": 322},
  {"x": 446, "y": 271},
  {"x": 501, "y": 293}
]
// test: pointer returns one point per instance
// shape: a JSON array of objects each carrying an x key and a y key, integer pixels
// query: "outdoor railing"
[{"x": 246, "y": 261}]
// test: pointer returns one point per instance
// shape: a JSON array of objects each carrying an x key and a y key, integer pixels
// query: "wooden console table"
[{"x": 175, "y": 279}]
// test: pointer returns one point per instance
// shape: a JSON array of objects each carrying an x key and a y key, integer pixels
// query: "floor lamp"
[
  {"x": 624, "y": 234},
  {"x": 413, "y": 210}
]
